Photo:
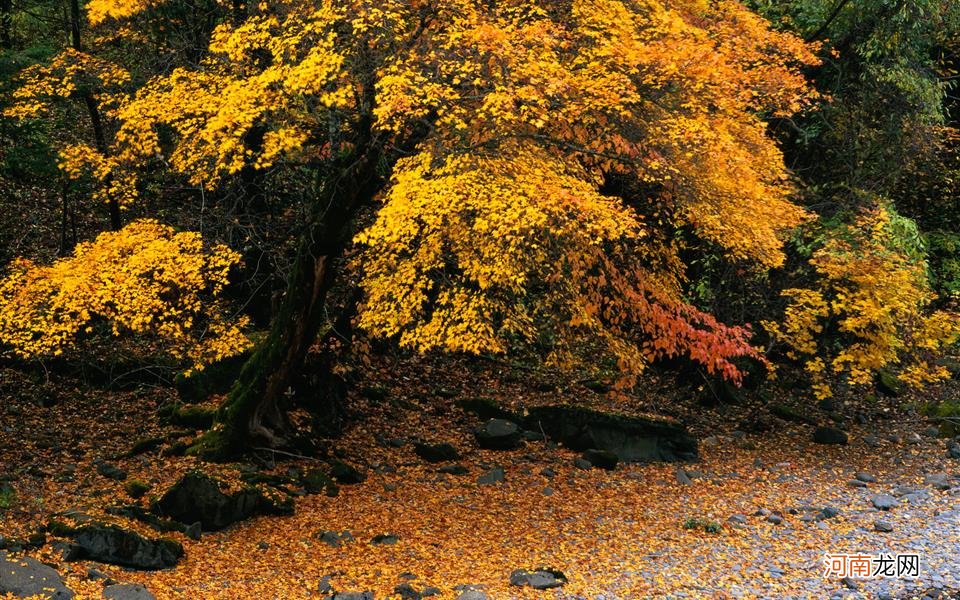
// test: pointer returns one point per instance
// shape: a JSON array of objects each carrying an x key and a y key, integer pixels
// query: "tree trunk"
[
  {"x": 93, "y": 110},
  {"x": 254, "y": 408}
]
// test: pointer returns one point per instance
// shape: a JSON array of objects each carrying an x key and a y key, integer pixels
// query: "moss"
[{"x": 136, "y": 488}]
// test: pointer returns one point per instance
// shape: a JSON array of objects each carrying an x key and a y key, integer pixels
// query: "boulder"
[
  {"x": 197, "y": 497},
  {"x": 435, "y": 453},
  {"x": 498, "y": 434},
  {"x": 601, "y": 459},
  {"x": 346, "y": 474},
  {"x": 888, "y": 384},
  {"x": 631, "y": 439},
  {"x": 830, "y": 435},
  {"x": 109, "y": 543},
  {"x": 27, "y": 577}
]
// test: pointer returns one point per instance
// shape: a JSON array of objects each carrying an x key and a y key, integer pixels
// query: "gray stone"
[
  {"x": 632, "y": 439},
  {"x": 491, "y": 477},
  {"x": 883, "y": 501},
  {"x": 940, "y": 481},
  {"x": 127, "y": 591},
  {"x": 197, "y": 497},
  {"x": 24, "y": 577},
  {"x": 385, "y": 539},
  {"x": 115, "y": 545},
  {"x": 738, "y": 518},
  {"x": 829, "y": 512},
  {"x": 540, "y": 579},
  {"x": 883, "y": 526},
  {"x": 498, "y": 434},
  {"x": 865, "y": 477}
]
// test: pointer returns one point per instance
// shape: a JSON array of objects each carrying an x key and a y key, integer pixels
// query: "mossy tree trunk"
[{"x": 253, "y": 411}]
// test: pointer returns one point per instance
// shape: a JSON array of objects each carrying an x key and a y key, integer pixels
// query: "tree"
[{"x": 529, "y": 163}]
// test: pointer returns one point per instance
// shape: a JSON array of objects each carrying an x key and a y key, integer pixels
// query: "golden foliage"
[
  {"x": 145, "y": 279},
  {"x": 500, "y": 227},
  {"x": 876, "y": 296}
]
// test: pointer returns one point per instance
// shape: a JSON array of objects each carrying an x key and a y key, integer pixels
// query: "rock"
[
  {"x": 601, "y": 459},
  {"x": 494, "y": 475},
  {"x": 547, "y": 491},
  {"x": 408, "y": 592},
  {"x": 111, "y": 471},
  {"x": 865, "y": 477},
  {"x": 828, "y": 405},
  {"x": 788, "y": 413},
  {"x": 384, "y": 539},
  {"x": 888, "y": 384},
  {"x": 548, "y": 472},
  {"x": 26, "y": 577},
  {"x": 953, "y": 450},
  {"x": 109, "y": 543},
  {"x": 540, "y": 579},
  {"x": 353, "y": 596},
  {"x": 883, "y": 526},
  {"x": 127, "y": 591},
  {"x": 738, "y": 518},
  {"x": 883, "y": 501},
  {"x": 486, "y": 408},
  {"x": 498, "y": 434},
  {"x": 682, "y": 477},
  {"x": 346, "y": 474},
  {"x": 939, "y": 481},
  {"x": 136, "y": 488},
  {"x": 334, "y": 538},
  {"x": 849, "y": 583},
  {"x": 774, "y": 519},
  {"x": 457, "y": 470},
  {"x": 197, "y": 498},
  {"x": 872, "y": 441},
  {"x": 632, "y": 439},
  {"x": 829, "y": 512},
  {"x": 435, "y": 453},
  {"x": 857, "y": 483},
  {"x": 829, "y": 435},
  {"x": 470, "y": 593},
  {"x": 315, "y": 481},
  {"x": 582, "y": 463},
  {"x": 932, "y": 432},
  {"x": 914, "y": 438}
]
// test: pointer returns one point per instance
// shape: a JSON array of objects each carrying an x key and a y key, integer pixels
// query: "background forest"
[{"x": 262, "y": 222}]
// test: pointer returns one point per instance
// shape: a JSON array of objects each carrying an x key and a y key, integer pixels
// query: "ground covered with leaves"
[{"x": 753, "y": 517}]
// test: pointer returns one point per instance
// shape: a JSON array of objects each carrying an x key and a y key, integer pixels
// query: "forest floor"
[{"x": 634, "y": 532}]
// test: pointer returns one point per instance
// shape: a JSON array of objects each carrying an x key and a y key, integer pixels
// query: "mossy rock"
[
  {"x": 888, "y": 384},
  {"x": 486, "y": 408},
  {"x": 145, "y": 445},
  {"x": 630, "y": 438},
  {"x": 136, "y": 488},
  {"x": 315, "y": 481},
  {"x": 788, "y": 413}
]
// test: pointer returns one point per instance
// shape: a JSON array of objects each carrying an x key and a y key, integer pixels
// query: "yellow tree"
[{"x": 529, "y": 160}]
